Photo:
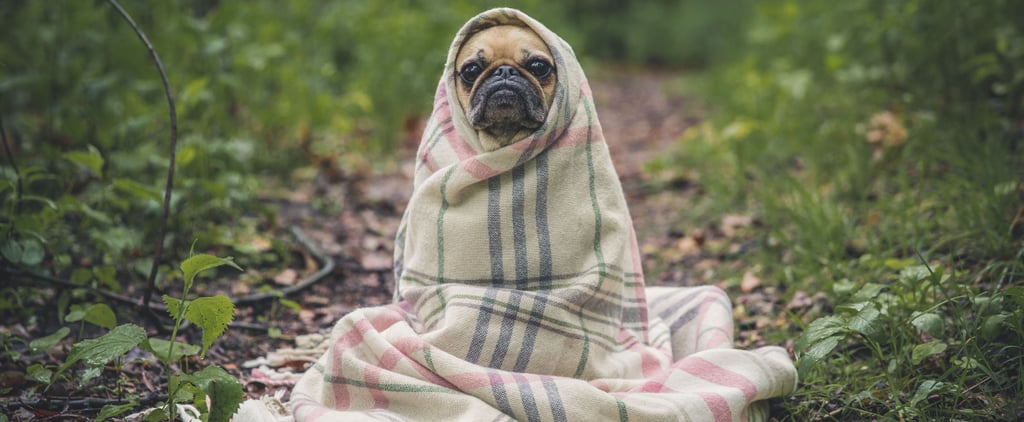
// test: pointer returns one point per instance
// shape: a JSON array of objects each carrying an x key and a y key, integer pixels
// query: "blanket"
[{"x": 520, "y": 294}]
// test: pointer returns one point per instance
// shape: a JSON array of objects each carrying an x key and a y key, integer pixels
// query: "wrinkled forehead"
[{"x": 519, "y": 40}]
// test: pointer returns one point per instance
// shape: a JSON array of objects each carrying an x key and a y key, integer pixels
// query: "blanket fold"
[{"x": 519, "y": 290}]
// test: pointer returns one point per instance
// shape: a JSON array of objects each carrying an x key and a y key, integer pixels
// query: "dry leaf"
[
  {"x": 688, "y": 246},
  {"x": 376, "y": 261},
  {"x": 750, "y": 282},
  {"x": 731, "y": 223},
  {"x": 287, "y": 277}
]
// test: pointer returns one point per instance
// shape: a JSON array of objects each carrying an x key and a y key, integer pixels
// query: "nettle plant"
[
  {"x": 933, "y": 332},
  {"x": 212, "y": 385}
]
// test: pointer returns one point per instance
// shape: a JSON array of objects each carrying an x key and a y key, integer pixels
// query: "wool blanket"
[{"x": 519, "y": 290}]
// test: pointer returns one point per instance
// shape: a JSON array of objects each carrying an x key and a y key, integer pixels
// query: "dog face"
[{"x": 506, "y": 79}]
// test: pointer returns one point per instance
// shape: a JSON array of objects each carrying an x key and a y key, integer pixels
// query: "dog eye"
[
  {"x": 470, "y": 72},
  {"x": 539, "y": 68}
]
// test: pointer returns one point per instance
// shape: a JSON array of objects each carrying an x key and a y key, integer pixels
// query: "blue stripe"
[
  {"x": 543, "y": 236},
  {"x": 529, "y": 403},
  {"x": 483, "y": 319},
  {"x": 494, "y": 229},
  {"x": 519, "y": 224},
  {"x": 557, "y": 410},
  {"x": 508, "y": 322}
]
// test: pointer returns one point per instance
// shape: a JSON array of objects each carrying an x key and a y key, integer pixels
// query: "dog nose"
[{"x": 506, "y": 72}]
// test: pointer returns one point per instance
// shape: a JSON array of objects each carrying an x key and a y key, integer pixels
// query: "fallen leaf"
[
  {"x": 688, "y": 246},
  {"x": 800, "y": 301},
  {"x": 287, "y": 277},
  {"x": 749, "y": 282},
  {"x": 376, "y": 261},
  {"x": 731, "y": 223}
]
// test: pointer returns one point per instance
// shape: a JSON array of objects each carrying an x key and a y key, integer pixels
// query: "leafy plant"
[{"x": 210, "y": 314}]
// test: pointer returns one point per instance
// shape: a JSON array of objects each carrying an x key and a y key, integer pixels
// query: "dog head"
[{"x": 506, "y": 80}]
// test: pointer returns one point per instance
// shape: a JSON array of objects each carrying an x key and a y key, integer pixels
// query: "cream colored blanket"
[{"x": 520, "y": 294}]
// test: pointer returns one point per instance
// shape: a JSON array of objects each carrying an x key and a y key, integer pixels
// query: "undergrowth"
[{"x": 880, "y": 145}]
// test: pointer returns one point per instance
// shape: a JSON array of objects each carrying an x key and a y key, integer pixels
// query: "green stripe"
[
  {"x": 597, "y": 232},
  {"x": 623, "y": 414},
  {"x": 429, "y": 360},
  {"x": 525, "y": 314},
  {"x": 400, "y": 388},
  {"x": 440, "y": 224},
  {"x": 593, "y": 190}
]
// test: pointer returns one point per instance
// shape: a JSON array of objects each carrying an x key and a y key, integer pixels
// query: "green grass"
[{"x": 900, "y": 201}]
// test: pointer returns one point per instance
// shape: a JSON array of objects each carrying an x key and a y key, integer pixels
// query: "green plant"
[
  {"x": 210, "y": 314},
  {"x": 935, "y": 338}
]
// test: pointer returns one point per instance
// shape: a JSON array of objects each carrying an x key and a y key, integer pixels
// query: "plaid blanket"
[{"x": 520, "y": 294}]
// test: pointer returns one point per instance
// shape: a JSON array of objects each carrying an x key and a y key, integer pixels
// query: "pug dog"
[{"x": 506, "y": 80}]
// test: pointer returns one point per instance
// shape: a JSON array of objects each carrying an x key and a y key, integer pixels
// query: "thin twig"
[{"x": 151, "y": 280}]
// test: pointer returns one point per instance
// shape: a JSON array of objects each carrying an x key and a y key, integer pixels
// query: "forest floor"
[{"x": 351, "y": 217}]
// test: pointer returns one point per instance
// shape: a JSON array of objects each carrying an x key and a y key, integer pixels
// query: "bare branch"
[{"x": 151, "y": 280}]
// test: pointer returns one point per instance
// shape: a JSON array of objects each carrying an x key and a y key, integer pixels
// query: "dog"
[{"x": 506, "y": 79}]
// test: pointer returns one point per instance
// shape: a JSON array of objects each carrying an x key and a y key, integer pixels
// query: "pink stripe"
[
  {"x": 719, "y": 407},
  {"x": 426, "y": 157},
  {"x": 705, "y": 306},
  {"x": 410, "y": 345},
  {"x": 651, "y": 387},
  {"x": 345, "y": 342},
  {"x": 708, "y": 371},
  {"x": 371, "y": 376},
  {"x": 576, "y": 136},
  {"x": 470, "y": 380},
  {"x": 443, "y": 114},
  {"x": 477, "y": 169}
]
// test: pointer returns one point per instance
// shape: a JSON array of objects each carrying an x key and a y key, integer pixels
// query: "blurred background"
[{"x": 856, "y": 137}]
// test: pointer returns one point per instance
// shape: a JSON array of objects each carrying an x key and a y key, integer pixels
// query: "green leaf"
[
  {"x": 158, "y": 414},
  {"x": 89, "y": 374},
  {"x": 867, "y": 320},
  {"x": 868, "y": 291},
  {"x": 817, "y": 352},
  {"x": 925, "y": 389},
  {"x": 161, "y": 349},
  {"x": 914, "y": 274},
  {"x": 274, "y": 332},
  {"x": 100, "y": 314},
  {"x": 922, "y": 351},
  {"x": 224, "y": 390},
  {"x": 11, "y": 250},
  {"x": 45, "y": 343},
  {"x": 107, "y": 275},
  {"x": 212, "y": 314},
  {"x": 76, "y": 314},
  {"x": 174, "y": 306},
  {"x": 202, "y": 262},
  {"x": 32, "y": 252},
  {"x": 993, "y": 327},
  {"x": 899, "y": 264},
  {"x": 91, "y": 159},
  {"x": 137, "y": 189},
  {"x": 291, "y": 304},
  {"x": 98, "y": 351},
  {"x": 820, "y": 329},
  {"x": 39, "y": 373},
  {"x": 929, "y": 323},
  {"x": 112, "y": 410},
  {"x": 40, "y": 199}
]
